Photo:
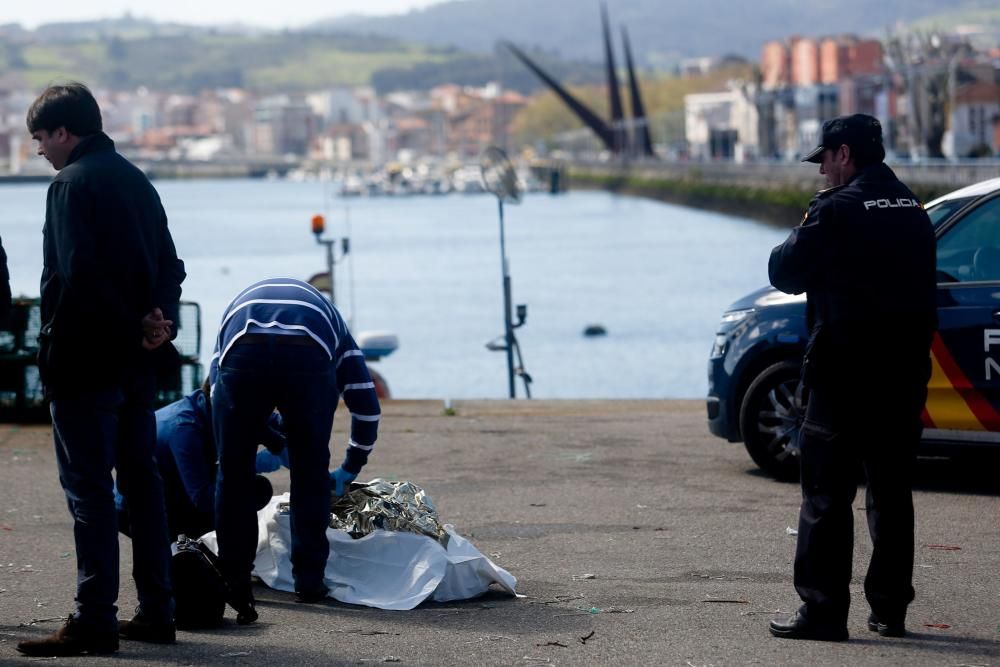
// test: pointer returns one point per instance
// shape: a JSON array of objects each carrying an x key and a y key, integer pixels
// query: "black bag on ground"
[{"x": 199, "y": 589}]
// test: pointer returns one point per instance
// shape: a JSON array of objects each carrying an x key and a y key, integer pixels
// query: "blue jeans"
[
  {"x": 254, "y": 379},
  {"x": 95, "y": 432}
]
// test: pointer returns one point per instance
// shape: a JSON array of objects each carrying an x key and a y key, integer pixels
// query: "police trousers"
[
  {"x": 254, "y": 379},
  {"x": 96, "y": 431},
  {"x": 844, "y": 434}
]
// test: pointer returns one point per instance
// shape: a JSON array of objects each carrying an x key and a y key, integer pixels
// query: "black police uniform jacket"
[
  {"x": 109, "y": 260},
  {"x": 865, "y": 255}
]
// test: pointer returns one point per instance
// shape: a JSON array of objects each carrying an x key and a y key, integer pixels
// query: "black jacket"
[
  {"x": 865, "y": 255},
  {"x": 109, "y": 260},
  {"x": 4, "y": 289}
]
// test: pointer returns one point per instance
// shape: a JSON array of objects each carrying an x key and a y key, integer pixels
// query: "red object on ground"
[{"x": 939, "y": 626}]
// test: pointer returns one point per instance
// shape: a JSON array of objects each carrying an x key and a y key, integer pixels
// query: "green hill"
[{"x": 661, "y": 31}]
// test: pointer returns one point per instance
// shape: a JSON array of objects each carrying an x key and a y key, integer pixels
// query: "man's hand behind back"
[{"x": 155, "y": 329}]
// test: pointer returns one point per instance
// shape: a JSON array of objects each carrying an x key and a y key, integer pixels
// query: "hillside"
[
  {"x": 661, "y": 31},
  {"x": 126, "y": 55}
]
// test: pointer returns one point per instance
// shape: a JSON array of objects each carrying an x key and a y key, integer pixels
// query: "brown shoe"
[{"x": 71, "y": 639}]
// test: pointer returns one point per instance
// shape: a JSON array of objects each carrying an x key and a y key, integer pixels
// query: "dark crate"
[{"x": 21, "y": 396}]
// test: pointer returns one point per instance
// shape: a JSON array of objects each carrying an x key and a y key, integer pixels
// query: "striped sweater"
[{"x": 289, "y": 307}]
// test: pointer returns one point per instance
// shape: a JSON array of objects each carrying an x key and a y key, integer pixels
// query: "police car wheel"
[{"x": 770, "y": 416}]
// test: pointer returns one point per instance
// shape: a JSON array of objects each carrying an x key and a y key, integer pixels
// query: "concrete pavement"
[{"x": 637, "y": 537}]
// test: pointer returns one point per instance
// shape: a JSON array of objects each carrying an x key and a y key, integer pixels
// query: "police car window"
[
  {"x": 943, "y": 211},
  {"x": 970, "y": 251}
]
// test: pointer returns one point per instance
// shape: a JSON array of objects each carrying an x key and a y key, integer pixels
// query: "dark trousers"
[
  {"x": 845, "y": 433},
  {"x": 94, "y": 432},
  {"x": 254, "y": 379},
  {"x": 183, "y": 518}
]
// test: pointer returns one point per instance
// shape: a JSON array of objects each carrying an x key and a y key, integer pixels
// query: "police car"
[{"x": 753, "y": 371}]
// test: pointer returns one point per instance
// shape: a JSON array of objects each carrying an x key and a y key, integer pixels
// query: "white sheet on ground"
[{"x": 385, "y": 569}]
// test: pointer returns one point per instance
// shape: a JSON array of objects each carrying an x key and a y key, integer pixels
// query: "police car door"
[{"x": 963, "y": 400}]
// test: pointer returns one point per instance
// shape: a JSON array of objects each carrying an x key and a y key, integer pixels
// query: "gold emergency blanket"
[{"x": 384, "y": 505}]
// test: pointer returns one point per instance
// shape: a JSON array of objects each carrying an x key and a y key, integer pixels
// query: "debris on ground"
[
  {"x": 581, "y": 577},
  {"x": 727, "y": 600},
  {"x": 35, "y": 621},
  {"x": 943, "y": 547},
  {"x": 492, "y": 638},
  {"x": 938, "y": 626},
  {"x": 791, "y": 531},
  {"x": 559, "y": 644},
  {"x": 235, "y": 654},
  {"x": 583, "y": 640}
]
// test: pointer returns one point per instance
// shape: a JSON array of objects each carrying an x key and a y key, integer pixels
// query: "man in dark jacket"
[
  {"x": 4, "y": 288},
  {"x": 110, "y": 291},
  {"x": 865, "y": 256}
]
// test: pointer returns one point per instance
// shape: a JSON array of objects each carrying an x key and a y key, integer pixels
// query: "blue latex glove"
[
  {"x": 340, "y": 479},
  {"x": 267, "y": 462}
]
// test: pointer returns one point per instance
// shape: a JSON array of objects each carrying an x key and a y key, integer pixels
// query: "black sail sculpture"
[
  {"x": 614, "y": 91},
  {"x": 640, "y": 124},
  {"x": 582, "y": 111}
]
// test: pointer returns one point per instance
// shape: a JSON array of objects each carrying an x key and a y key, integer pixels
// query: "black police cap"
[{"x": 859, "y": 131}]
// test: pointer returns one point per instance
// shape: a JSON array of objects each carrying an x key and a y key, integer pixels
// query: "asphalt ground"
[{"x": 637, "y": 538}]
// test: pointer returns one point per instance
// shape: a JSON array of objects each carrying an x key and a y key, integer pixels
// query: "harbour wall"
[{"x": 776, "y": 193}]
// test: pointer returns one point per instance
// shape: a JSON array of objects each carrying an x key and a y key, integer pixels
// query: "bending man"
[{"x": 283, "y": 345}]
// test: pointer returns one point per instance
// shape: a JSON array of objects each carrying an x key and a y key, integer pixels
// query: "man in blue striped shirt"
[{"x": 283, "y": 345}]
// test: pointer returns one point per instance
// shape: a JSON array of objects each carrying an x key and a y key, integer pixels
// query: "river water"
[{"x": 427, "y": 268}]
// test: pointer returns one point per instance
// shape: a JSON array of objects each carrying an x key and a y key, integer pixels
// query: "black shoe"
[
  {"x": 247, "y": 614},
  {"x": 243, "y": 604},
  {"x": 246, "y": 609},
  {"x": 315, "y": 595},
  {"x": 141, "y": 630},
  {"x": 71, "y": 639},
  {"x": 886, "y": 629},
  {"x": 799, "y": 627}
]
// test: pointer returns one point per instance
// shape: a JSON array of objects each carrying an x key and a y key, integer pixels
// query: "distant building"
[
  {"x": 775, "y": 65},
  {"x": 282, "y": 125},
  {"x": 803, "y": 61},
  {"x": 813, "y": 106},
  {"x": 723, "y": 125},
  {"x": 847, "y": 56},
  {"x": 972, "y": 121},
  {"x": 689, "y": 67}
]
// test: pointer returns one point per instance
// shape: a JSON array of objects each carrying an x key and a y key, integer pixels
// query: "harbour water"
[{"x": 427, "y": 268}]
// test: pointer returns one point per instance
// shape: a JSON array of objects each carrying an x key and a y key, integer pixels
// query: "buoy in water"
[{"x": 595, "y": 330}]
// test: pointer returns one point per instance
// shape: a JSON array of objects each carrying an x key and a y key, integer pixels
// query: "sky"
[{"x": 282, "y": 14}]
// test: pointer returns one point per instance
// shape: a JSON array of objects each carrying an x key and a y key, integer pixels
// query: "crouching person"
[
  {"x": 187, "y": 459},
  {"x": 283, "y": 345}
]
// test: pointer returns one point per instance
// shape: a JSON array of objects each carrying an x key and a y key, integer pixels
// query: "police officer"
[{"x": 865, "y": 257}]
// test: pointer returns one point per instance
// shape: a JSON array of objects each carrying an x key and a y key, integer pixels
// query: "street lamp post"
[
  {"x": 318, "y": 226},
  {"x": 500, "y": 179}
]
